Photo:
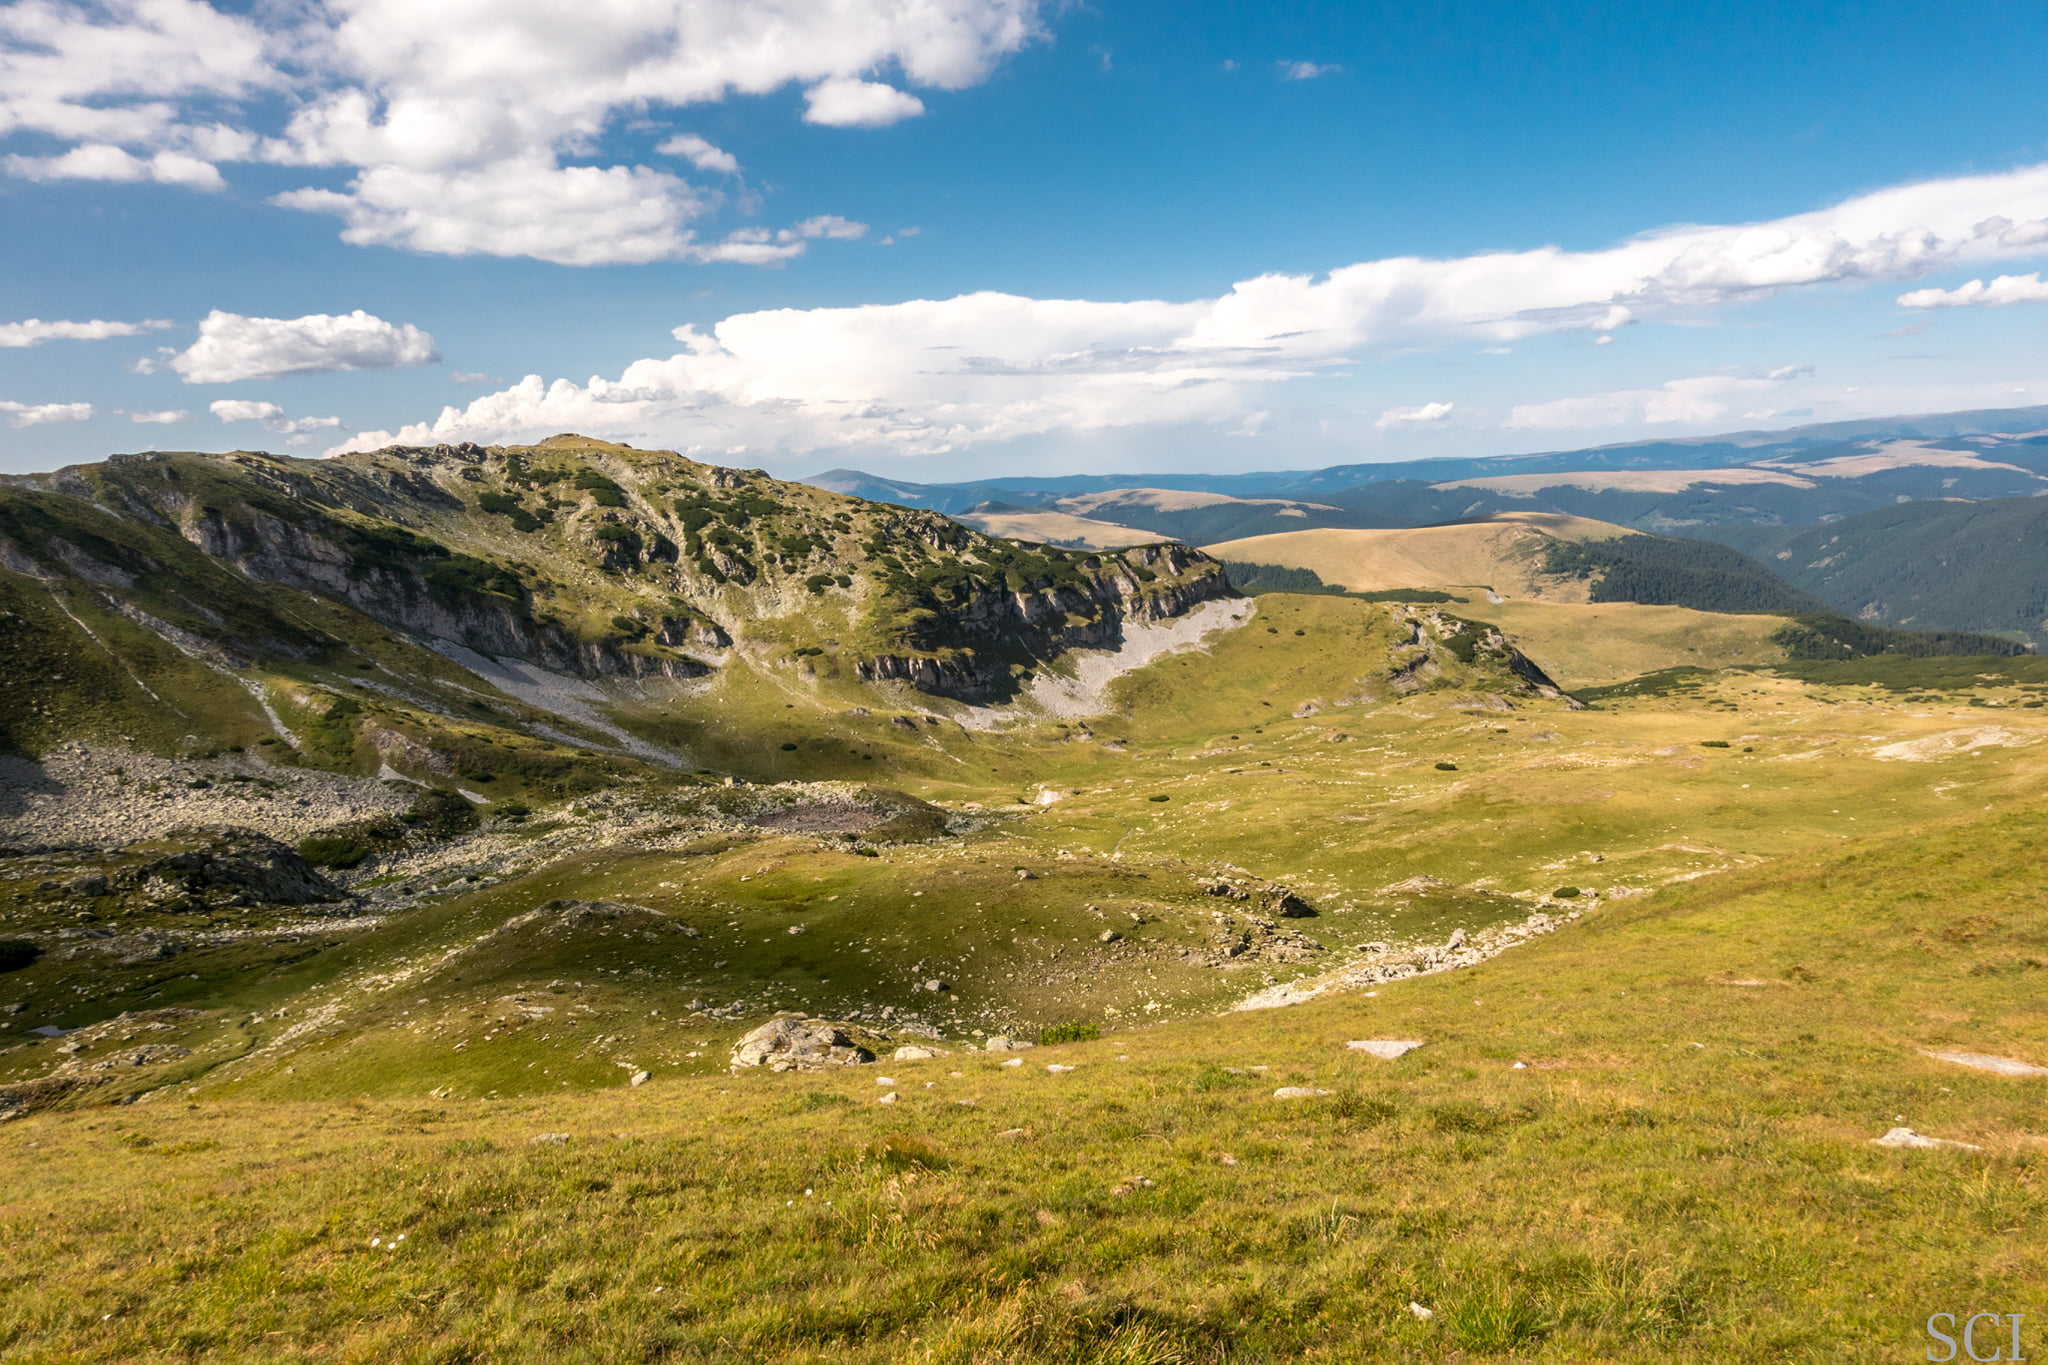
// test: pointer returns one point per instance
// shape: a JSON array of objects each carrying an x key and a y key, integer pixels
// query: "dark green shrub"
[
  {"x": 1447, "y": 767},
  {"x": 1713, "y": 744},
  {"x": 16, "y": 953},
  {"x": 1068, "y": 1033},
  {"x": 1565, "y": 893},
  {"x": 332, "y": 850},
  {"x": 1159, "y": 798},
  {"x": 442, "y": 813},
  {"x": 789, "y": 748}
]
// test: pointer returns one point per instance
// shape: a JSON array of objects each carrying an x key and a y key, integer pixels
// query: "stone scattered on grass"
[
  {"x": 889, "y": 1098},
  {"x": 1906, "y": 1137},
  {"x": 1131, "y": 1186},
  {"x": 1298, "y": 1092},
  {"x": 1977, "y": 1061},
  {"x": 641, "y": 1077},
  {"x": 1386, "y": 1049},
  {"x": 1421, "y": 1314},
  {"x": 1015, "y": 1134},
  {"x": 1014, "y": 1061},
  {"x": 911, "y": 1052},
  {"x": 550, "y": 1139},
  {"x": 1056, "y": 1069}
]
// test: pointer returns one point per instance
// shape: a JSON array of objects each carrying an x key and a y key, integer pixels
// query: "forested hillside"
[
  {"x": 1953, "y": 565},
  {"x": 1662, "y": 571}
]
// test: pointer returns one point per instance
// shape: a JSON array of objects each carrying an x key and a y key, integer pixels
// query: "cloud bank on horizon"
[{"x": 931, "y": 376}]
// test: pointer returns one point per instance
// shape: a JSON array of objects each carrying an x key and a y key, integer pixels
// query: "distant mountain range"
[
  {"x": 1956, "y": 454},
  {"x": 1929, "y": 522}
]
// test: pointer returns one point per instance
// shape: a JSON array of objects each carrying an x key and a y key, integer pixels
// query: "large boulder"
[{"x": 790, "y": 1042}]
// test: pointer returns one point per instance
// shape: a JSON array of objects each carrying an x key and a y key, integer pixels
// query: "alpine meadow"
[{"x": 1515, "y": 830}]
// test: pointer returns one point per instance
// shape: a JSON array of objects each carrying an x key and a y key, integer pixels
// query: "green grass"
[{"x": 1680, "y": 1172}]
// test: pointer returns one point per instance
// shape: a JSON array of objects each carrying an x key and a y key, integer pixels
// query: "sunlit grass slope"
[{"x": 1678, "y": 1169}]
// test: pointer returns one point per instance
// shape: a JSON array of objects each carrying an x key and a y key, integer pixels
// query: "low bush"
[{"x": 1068, "y": 1033}]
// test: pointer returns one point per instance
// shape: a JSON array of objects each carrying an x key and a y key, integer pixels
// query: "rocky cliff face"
[{"x": 987, "y": 641}]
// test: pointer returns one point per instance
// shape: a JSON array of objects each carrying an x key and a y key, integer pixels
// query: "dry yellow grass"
[
  {"x": 1588, "y": 644},
  {"x": 1500, "y": 552},
  {"x": 1058, "y": 528}
]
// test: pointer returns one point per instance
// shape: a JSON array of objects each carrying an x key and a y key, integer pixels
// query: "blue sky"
[{"x": 967, "y": 237}]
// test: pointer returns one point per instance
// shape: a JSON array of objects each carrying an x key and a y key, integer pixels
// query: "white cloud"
[
  {"x": 1684, "y": 402},
  {"x": 700, "y": 153},
  {"x": 42, "y": 414},
  {"x": 453, "y": 121},
  {"x": 2002, "y": 292},
  {"x": 271, "y": 415},
  {"x": 163, "y": 419},
  {"x": 571, "y": 215},
  {"x": 932, "y": 375},
  {"x": 101, "y": 161},
  {"x": 232, "y": 348},
  {"x": 1401, "y": 417},
  {"x": 1305, "y": 71},
  {"x": 828, "y": 225},
  {"x": 244, "y": 410},
  {"x": 843, "y": 102},
  {"x": 34, "y": 331},
  {"x": 473, "y": 377}
]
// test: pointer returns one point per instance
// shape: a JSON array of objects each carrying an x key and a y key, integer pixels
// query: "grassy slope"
[
  {"x": 1533, "y": 793},
  {"x": 1680, "y": 1172},
  {"x": 1504, "y": 553}
]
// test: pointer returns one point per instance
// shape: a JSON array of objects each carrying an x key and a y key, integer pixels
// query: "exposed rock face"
[
  {"x": 973, "y": 646},
  {"x": 233, "y": 863},
  {"x": 790, "y": 1042}
]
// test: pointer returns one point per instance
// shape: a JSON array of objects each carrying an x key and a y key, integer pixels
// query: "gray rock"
[
  {"x": 1108, "y": 936},
  {"x": 1298, "y": 1092},
  {"x": 1977, "y": 1061},
  {"x": 1906, "y": 1137},
  {"x": 1386, "y": 1049},
  {"x": 641, "y": 1078},
  {"x": 935, "y": 986},
  {"x": 790, "y": 1042}
]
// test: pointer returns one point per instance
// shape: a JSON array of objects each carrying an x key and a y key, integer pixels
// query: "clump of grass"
[
  {"x": 1068, "y": 1033},
  {"x": 901, "y": 1152},
  {"x": 1713, "y": 744},
  {"x": 1565, "y": 893},
  {"x": 1495, "y": 1317},
  {"x": 1447, "y": 767}
]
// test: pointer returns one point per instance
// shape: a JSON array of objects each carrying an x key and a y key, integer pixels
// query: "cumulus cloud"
[
  {"x": 1405, "y": 417},
  {"x": 700, "y": 153},
  {"x": 271, "y": 415},
  {"x": 163, "y": 419},
  {"x": 453, "y": 122},
  {"x": 1305, "y": 71},
  {"x": 932, "y": 375},
  {"x": 846, "y": 103},
  {"x": 34, "y": 331},
  {"x": 100, "y": 161},
  {"x": 232, "y": 348},
  {"x": 2002, "y": 292},
  {"x": 43, "y": 414}
]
